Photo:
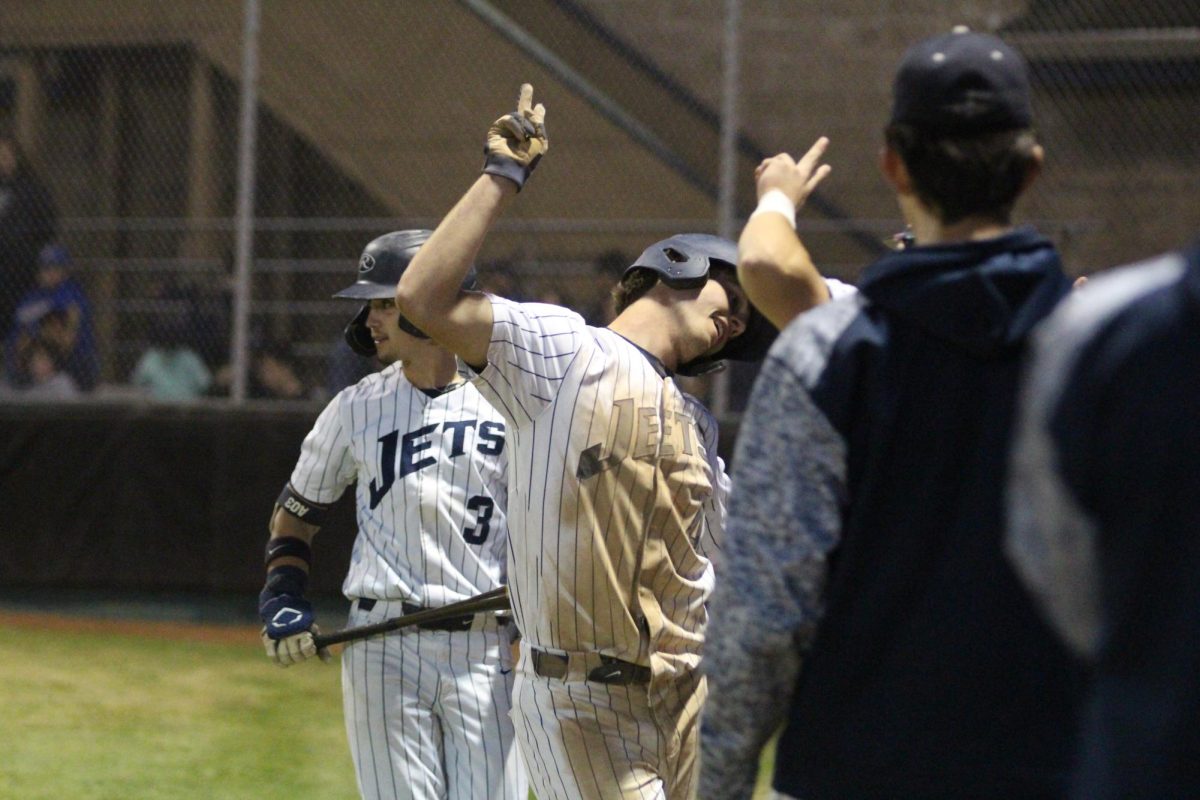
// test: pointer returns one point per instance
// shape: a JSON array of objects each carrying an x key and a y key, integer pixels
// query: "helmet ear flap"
[
  {"x": 410, "y": 329},
  {"x": 358, "y": 335}
]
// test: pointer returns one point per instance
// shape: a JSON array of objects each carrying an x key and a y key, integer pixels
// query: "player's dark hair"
[
  {"x": 960, "y": 177},
  {"x": 633, "y": 287}
]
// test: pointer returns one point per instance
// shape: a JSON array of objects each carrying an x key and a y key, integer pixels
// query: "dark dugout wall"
[{"x": 151, "y": 498}]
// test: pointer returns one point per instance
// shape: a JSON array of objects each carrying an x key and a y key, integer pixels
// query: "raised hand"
[
  {"x": 796, "y": 179},
  {"x": 517, "y": 141}
]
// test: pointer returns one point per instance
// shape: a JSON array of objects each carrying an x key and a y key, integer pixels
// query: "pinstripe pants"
[
  {"x": 427, "y": 715},
  {"x": 582, "y": 740}
]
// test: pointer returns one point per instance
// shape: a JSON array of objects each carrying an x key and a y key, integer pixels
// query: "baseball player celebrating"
[
  {"x": 621, "y": 497},
  {"x": 427, "y": 711}
]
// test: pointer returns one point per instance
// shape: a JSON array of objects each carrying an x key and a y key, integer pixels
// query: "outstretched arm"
[
  {"x": 773, "y": 265},
  {"x": 429, "y": 293}
]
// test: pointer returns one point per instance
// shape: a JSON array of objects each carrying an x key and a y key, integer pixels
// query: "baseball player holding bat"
[
  {"x": 426, "y": 710},
  {"x": 621, "y": 498}
]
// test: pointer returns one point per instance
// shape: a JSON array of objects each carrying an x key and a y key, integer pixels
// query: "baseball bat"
[{"x": 495, "y": 600}]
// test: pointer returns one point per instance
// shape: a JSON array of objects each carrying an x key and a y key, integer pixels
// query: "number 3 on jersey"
[{"x": 482, "y": 506}]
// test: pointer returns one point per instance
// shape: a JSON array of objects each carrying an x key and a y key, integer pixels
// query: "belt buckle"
[
  {"x": 614, "y": 671},
  {"x": 608, "y": 672}
]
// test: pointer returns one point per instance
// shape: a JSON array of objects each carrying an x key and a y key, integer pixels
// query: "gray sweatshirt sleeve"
[
  {"x": 1051, "y": 539},
  {"x": 789, "y": 484}
]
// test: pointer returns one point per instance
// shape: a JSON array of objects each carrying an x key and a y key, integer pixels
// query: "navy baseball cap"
[
  {"x": 54, "y": 255},
  {"x": 962, "y": 84}
]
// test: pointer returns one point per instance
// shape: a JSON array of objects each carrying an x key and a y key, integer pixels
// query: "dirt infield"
[{"x": 178, "y": 631}]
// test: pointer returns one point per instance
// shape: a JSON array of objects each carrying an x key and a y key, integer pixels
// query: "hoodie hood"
[{"x": 982, "y": 296}]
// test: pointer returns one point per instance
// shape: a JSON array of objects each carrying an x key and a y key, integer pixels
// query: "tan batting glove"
[
  {"x": 295, "y": 648},
  {"x": 517, "y": 141}
]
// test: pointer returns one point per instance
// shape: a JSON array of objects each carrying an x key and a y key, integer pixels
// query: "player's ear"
[
  {"x": 737, "y": 326},
  {"x": 894, "y": 171},
  {"x": 1037, "y": 159}
]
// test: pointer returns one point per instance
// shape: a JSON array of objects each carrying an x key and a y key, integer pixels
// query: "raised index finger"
[
  {"x": 814, "y": 154},
  {"x": 525, "y": 99}
]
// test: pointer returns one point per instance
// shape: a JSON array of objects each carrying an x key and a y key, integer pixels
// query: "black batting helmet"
[
  {"x": 683, "y": 262},
  {"x": 380, "y": 266}
]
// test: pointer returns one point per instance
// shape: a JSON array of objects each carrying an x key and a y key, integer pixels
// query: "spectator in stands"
[
  {"x": 345, "y": 367},
  {"x": 172, "y": 369},
  {"x": 41, "y": 376},
  {"x": 205, "y": 314},
  {"x": 548, "y": 293},
  {"x": 500, "y": 278},
  {"x": 57, "y": 313},
  {"x": 273, "y": 374},
  {"x": 606, "y": 271},
  {"x": 27, "y": 221}
]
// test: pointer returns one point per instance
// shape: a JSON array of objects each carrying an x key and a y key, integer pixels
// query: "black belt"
[
  {"x": 457, "y": 624},
  {"x": 611, "y": 670}
]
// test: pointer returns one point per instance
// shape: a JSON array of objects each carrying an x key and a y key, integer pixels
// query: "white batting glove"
[{"x": 295, "y": 648}]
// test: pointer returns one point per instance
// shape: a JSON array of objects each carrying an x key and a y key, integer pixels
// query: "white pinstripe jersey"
[
  {"x": 616, "y": 500},
  {"x": 431, "y": 491}
]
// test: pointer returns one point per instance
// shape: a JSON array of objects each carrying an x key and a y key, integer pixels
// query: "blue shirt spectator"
[{"x": 57, "y": 312}]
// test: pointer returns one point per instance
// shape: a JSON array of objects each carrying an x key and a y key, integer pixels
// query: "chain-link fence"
[{"x": 157, "y": 241}]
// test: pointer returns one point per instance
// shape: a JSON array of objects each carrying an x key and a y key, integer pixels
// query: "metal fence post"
[
  {"x": 727, "y": 184},
  {"x": 244, "y": 223}
]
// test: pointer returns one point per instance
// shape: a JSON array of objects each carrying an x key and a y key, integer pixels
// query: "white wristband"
[{"x": 775, "y": 201}]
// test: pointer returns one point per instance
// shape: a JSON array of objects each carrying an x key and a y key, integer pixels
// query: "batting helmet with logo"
[
  {"x": 380, "y": 266},
  {"x": 683, "y": 261}
]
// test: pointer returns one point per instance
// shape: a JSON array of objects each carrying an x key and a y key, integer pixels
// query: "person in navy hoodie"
[
  {"x": 1104, "y": 522},
  {"x": 866, "y": 604}
]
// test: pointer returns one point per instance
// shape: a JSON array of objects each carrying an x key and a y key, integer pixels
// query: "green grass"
[
  {"x": 107, "y": 716},
  {"x": 117, "y": 717},
  {"x": 766, "y": 768}
]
